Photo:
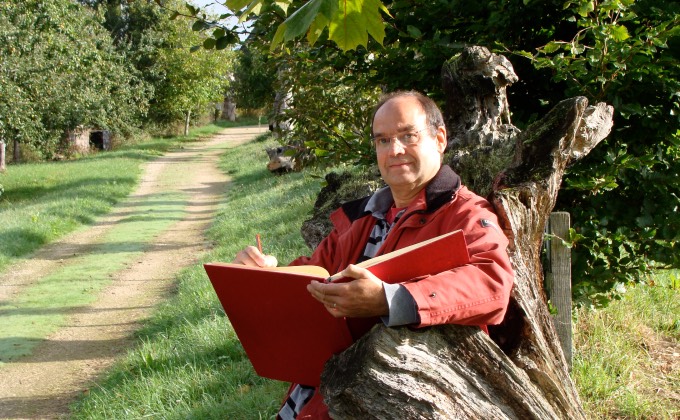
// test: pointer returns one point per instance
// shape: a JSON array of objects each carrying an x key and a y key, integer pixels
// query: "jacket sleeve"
[
  {"x": 476, "y": 293},
  {"x": 322, "y": 255}
]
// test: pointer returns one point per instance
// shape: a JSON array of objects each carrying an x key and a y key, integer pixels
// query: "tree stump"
[
  {"x": 519, "y": 371},
  {"x": 228, "y": 109}
]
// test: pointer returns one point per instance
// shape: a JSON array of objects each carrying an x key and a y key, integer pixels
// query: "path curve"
[{"x": 43, "y": 384}]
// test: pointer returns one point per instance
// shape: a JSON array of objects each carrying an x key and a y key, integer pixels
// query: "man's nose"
[{"x": 396, "y": 148}]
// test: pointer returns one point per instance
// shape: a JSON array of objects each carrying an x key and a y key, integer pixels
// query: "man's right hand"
[{"x": 253, "y": 257}]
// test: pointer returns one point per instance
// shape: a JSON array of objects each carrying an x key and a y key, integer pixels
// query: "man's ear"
[{"x": 441, "y": 139}]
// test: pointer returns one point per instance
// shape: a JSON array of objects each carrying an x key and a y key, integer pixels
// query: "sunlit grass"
[
  {"x": 44, "y": 201},
  {"x": 189, "y": 363},
  {"x": 627, "y": 357}
]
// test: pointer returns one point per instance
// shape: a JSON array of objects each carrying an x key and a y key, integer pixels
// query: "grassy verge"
[
  {"x": 189, "y": 363},
  {"x": 627, "y": 356},
  {"x": 42, "y": 202}
]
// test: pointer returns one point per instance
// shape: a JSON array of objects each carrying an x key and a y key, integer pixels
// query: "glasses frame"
[{"x": 401, "y": 138}]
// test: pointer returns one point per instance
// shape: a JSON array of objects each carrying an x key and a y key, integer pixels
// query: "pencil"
[{"x": 259, "y": 242}]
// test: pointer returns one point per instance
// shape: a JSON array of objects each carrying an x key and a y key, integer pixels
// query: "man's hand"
[
  {"x": 253, "y": 257},
  {"x": 362, "y": 297}
]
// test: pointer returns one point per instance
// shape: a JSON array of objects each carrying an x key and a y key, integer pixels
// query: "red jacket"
[{"x": 474, "y": 294}]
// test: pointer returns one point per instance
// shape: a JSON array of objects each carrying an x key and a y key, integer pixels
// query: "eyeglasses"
[{"x": 406, "y": 139}]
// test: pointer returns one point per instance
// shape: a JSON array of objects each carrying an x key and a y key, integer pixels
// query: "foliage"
[
  {"x": 182, "y": 77},
  {"x": 623, "y": 196},
  {"x": 188, "y": 80},
  {"x": 330, "y": 105},
  {"x": 53, "y": 79},
  {"x": 347, "y": 23},
  {"x": 134, "y": 62},
  {"x": 254, "y": 75}
]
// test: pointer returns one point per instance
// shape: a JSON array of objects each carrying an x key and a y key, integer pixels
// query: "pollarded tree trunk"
[
  {"x": 451, "y": 372},
  {"x": 229, "y": 109}
]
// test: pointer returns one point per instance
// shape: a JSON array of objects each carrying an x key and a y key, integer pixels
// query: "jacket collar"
[{"x": 441, "y": 189}]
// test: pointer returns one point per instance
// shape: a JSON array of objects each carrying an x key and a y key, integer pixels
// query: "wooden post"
[{"x": 558, "y": 279}]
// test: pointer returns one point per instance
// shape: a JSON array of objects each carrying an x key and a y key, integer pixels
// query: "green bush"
[{"x": 622, "y": 197}]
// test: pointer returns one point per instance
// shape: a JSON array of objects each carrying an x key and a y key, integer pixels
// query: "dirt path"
[{"x": 65, "y": 364}]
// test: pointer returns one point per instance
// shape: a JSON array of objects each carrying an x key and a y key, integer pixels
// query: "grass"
[
  {"x": 627, "y": 356},
  {"x": 58, "y": 198},
  {"x": 189, "y": 364},
  {"x": 43, "y": 202},
  {"x": 45, "y": 304}
]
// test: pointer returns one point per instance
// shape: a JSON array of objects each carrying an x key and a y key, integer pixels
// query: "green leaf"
[
  {"x": 354, "y": 21},
  {"x": 413, "y": 31},
  {"x": 192, "y": 10},
  {"x": 278, "y": 36},
  {"x": 199, "y": 25},
  {"x": 226, "y": 40},
  {"x": 209, "y": 43},
  {"x": 253, "y": 8},
  {"x": 349, "y": 22},
  {"x": 236, "y": 5},
  {"x": 283, "y": 4},
  {"x": 619, "y": 33},
  {"x": 585, "y": 8},
  {"x": 298, "y": 23},
  {"x": 551, "y": 47},
  {"x": 316, "y": 28}
]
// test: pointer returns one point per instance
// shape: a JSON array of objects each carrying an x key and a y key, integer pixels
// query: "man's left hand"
[{"x": 363, "y": 296}]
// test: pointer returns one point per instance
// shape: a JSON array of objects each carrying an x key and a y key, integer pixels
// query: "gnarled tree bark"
[{"x": 453, "y": 371}]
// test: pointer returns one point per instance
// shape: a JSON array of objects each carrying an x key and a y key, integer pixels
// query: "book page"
[
  {"x": 310, "y": 270},
  {"x": 313, "y": 270}
]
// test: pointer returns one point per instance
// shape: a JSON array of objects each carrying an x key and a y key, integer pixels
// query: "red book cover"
[{"x": 287, "y": 334}]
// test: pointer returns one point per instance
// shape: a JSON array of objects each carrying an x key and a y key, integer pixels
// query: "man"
[{"x": 423, "y": 199}]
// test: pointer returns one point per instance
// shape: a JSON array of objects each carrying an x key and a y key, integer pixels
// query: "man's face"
[{"x": 407, "y": 167}]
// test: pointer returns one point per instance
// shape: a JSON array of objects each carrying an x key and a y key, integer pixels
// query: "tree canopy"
[
  {"x": 622, "y": 197},
  {"x": 113, "y": 65},
  {"x": 53, "y": 79}
]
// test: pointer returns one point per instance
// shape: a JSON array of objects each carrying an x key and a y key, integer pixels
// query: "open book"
[{"x": 286, "y": 333}]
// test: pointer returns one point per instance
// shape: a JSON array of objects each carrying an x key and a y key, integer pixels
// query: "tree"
[
  {"x": 182, "y": 79},
  {"x": 623, "y": 52},
  {"x": 53, "y": 79},
  {"x": 456, "y": 371},
  {"x": 254, "y": 76}
]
